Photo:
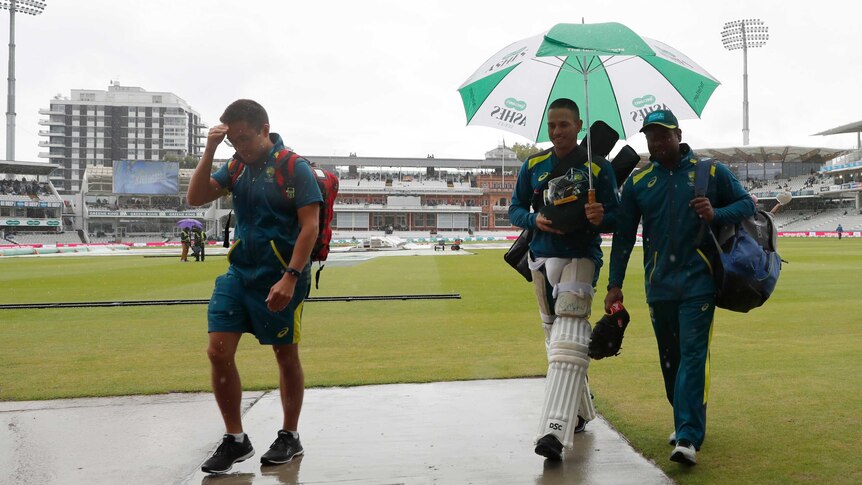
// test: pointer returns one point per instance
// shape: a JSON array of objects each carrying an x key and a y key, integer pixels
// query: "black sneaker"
[
  {"x": 581, "y": 426},
  {"x": 228, "y": 453},
  {"x": 282, "y": 450},
  {"x": 550, "y": 447}
]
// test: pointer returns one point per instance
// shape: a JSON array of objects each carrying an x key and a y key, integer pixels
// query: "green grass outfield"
[{"x": 785, "y": 402}]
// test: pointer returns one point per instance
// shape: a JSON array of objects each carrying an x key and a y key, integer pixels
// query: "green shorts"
[{"x": 237, "y": 308}]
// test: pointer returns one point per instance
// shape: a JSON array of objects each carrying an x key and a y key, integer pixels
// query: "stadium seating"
[
  {"x": 45, "y": 238},
  {"x": 799, "y": 185},
  {"x": 828, "y": 220}
]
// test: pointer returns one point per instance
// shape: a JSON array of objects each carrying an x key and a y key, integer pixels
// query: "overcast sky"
[{"x": 380, "y": 78}]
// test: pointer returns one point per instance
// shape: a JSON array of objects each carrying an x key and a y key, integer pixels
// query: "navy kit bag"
[{"x": 747, "y": 264}]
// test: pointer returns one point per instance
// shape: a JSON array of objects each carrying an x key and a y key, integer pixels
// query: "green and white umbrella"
[{"x": 612, "y": 73}]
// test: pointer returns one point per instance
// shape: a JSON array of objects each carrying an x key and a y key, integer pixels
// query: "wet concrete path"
[{"x": 448, "y": 433}]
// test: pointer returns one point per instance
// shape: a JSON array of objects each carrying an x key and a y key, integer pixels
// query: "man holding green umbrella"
[{"x": 564, "y": 261}]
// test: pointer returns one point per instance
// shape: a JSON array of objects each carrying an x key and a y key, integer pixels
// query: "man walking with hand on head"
[
  {"x": 269, "y": 274},
  {"x": 680, "y": 290},
  {"x": 565, "y": 256}
]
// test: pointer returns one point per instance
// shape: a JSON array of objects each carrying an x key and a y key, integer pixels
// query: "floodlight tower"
[
  {"x": 29, "y": 7},
  {"x": 744, "y": 34}
]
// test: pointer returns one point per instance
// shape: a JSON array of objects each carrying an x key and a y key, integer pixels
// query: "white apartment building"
[{"x": 95, "y": 127}]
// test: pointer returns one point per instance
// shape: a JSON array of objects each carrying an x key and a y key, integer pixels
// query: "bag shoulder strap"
[
  {"x": 235, "y": 169},
  {"x": 285, "y": 162},
  {"x": 573, "y": 159},
  {"x": 576, "y": 157},
  {"x": 702, "y": 170},
  {"x": 701, "y": 176}
]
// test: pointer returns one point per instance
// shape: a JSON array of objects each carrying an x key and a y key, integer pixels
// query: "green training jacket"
[
  {"x": 676, "y": 267},
  {"x": 533, "y": 176}
]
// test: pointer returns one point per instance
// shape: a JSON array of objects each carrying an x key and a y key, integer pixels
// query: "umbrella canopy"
[
  {"x": 612, "y": 73},
  {"x": 190, "y": 224}
]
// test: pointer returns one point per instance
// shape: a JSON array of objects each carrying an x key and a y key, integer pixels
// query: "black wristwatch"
[{"x": 293, "y": 272}]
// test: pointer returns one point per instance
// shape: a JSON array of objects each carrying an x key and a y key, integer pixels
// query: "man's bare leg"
[
  {"x": 291, "y": 384},
  {"x": 225, "y": 378}
]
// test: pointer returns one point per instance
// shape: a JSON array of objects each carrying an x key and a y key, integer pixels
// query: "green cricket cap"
[{"x": 662, "y": 117}]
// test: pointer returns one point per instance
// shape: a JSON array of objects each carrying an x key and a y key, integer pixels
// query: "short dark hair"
[
  {"x": 245, "y": 110},
  {"x": 568, "y": 104}
]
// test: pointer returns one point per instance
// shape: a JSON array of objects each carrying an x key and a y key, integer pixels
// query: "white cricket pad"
[
  {"x": 566, "y": 379},
  {"x": 540, "y": 286},
  {"x": 547, "y": 330},
  {"x": 586, "y": 409},
  {"x": 573, "y": 285}
]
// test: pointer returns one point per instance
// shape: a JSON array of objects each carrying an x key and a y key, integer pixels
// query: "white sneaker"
[
  {"x": 684, "y": 453},
  {"x": 671, "y": 440}
]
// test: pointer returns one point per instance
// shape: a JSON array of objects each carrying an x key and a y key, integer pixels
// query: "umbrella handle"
[{"x": 591, "y": 196}]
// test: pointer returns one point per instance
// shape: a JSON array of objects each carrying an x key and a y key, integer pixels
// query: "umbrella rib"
[
  {"x": 611, "y": 61},
  {"x": 579, "y": 68},
  {"x": 564, "y": 63}
]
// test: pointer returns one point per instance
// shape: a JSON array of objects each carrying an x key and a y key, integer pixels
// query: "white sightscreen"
[
  {"x": 452, "y": 221},
  {"x": 351, "y": 220}
]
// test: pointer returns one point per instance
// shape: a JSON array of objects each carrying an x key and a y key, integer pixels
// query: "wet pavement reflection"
[{"x": 450, "y": 432}]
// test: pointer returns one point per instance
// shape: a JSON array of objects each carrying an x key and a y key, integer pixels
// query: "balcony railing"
[
  {"x": 347, "y": 188},
  {"x": 406, "y": 208}
]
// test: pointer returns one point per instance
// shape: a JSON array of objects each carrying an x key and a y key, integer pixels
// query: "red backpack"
[{"x": 327, "y": 182}]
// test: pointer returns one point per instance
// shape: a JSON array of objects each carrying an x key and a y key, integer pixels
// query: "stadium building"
[
  {"x": 93, "y": 128},
  {"x": 30, "y": 206},
  {"x": 424, "y": 194},
  {"x": 142, "y": 200}
]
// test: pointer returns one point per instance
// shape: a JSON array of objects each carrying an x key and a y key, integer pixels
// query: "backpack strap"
[
  {"x": 701, "y": 176},
  {"x": 285, "y": 161},
  {"x": 285, "y": 168},
  {"x": 235, "y": 169},
  {"x": 702, "y": 173}
]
